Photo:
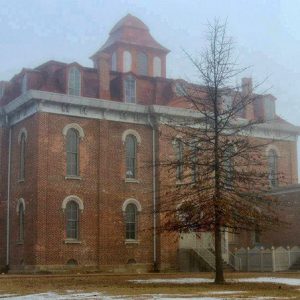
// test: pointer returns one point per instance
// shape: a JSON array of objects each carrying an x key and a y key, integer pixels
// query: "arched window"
[
  {"x": 273, "y": 168},
  {"x": 72, "y": 219},
  {"x": 156, "y": 67},
  {"x": 74, "y": 85},
  {"x": 194, "y": 161},
  {"x": 131, "y": 221},
  {"x": 72, "y": 149},
  {"x": 21, "y": 221},
  {"x": 22, "y": 156},
  {"x": 127, "y": 61},
  {"x": 229, "y": 166},
  {"x": 179, "y": 159},
  {"x": 129, "y": 89},
  {"x": 114, "y": 62},
  {"x": 142, "y": 63},
  {"x": 130, "y": 146}
]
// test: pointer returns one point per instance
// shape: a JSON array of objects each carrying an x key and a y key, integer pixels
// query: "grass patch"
[{"x": 120, "y": 284}]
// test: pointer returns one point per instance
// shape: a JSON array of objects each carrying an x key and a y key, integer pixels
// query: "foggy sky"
[{"x": 266, "y": 36}]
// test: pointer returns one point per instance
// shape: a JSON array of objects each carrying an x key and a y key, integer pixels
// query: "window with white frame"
[
  {"x": 142, "y": 63},
  {"x": 194, "y": 160},
  {"x": 273, "y": 167},
  {"x": 74, "y": 82},
  {"x": 130, "y": 89}
]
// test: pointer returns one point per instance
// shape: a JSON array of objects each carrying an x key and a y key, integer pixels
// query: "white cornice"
[{"x": 39, "y": 101}]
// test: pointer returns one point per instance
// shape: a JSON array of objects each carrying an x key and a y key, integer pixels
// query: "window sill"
[
  {"x": 131, "y": 242},
  {"x": 20, "y": 242},
  {"x": 131, "y": 180},
  {"x": 72, "y": 177},
  {"x": 21, "y": 180},
  {"x": 70, "y": 241}
]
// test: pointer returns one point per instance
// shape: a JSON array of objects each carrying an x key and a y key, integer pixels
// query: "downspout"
[
  {"x": 8, "y": 201},
  {"x": 155, "y": 266}
]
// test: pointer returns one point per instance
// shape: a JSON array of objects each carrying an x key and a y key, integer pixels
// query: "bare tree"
[{"x": 220, "y": 168}]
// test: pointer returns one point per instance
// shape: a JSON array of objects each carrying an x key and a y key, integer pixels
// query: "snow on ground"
[
  {"x": 288, "y": 281},
  {"x": 277, "y": 280},
  {"x": 99, "y": 296}
]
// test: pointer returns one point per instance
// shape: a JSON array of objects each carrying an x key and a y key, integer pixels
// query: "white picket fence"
[{"x": 265, "y": 260}]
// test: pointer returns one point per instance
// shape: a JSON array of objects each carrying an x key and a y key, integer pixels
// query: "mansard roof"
[{"x": 132, "y": 31}]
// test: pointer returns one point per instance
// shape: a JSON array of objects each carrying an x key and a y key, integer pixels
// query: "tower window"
[
  {"x": 130, "y": 89},
  {"x": 142, "y": 63},
  {"x": 127, "y": 61},
  {"x": 156, "y": 67},
  {"x": 114, "y": 62}
]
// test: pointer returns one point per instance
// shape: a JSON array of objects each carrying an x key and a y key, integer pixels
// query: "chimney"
[
  {"x": 103, "y": 66},
  {"x": 247, "y": 87},
  {"x": 247, "y": 90}
]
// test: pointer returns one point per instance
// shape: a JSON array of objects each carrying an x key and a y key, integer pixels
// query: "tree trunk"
[{"x": 219, "y": 275}]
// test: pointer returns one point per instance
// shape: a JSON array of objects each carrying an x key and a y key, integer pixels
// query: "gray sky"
[{"x": 266, "y": 35}]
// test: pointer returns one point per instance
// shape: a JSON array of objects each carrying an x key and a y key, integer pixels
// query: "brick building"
[{"x": 78, "y": 179}]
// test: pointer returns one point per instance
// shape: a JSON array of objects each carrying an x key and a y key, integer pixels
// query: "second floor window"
[
  {"x": 74, "y": 83},
  {"x": 179, "y": 159},
  {"x": 72, "y": 149},
  {"x": 273, "y": 168},
  {"x": 130, "y": 145},
  {"x": 228, "y": 167},
  {"x": 130, "y": 89},
  {"x": 22, "y": 157}
]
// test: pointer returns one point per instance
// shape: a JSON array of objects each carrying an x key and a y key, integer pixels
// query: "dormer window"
[
  {"x": 227, "y": 103},
  {"x": 24, "y": 84},
  {"x": 156, "y": 67},
  {"x": 269, "y": 107},
  {"x": 127, "y": 61},
  {"x": 74, "y": 83},
  {"x": 130, "y": 89},
  {"x": 142, "y": 64}
]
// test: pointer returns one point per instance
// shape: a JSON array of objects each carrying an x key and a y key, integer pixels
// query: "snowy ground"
[
  {"x": 211, "y": 295},
  {"x": 277, "y": 280},
  {"x": 99, "y": 296}
]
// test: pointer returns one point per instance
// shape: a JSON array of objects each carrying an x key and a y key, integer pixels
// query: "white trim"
[
  {"x": 74, "y": 126},
  {"x": 20, "y": 201},
  {"x": 272, "y": 147},
  {"x": 23, "y": 130},
  {"x": 132, "y": 132},
  {"x": 132, "y": 201},
  {"x": 72, "y": 198}
]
